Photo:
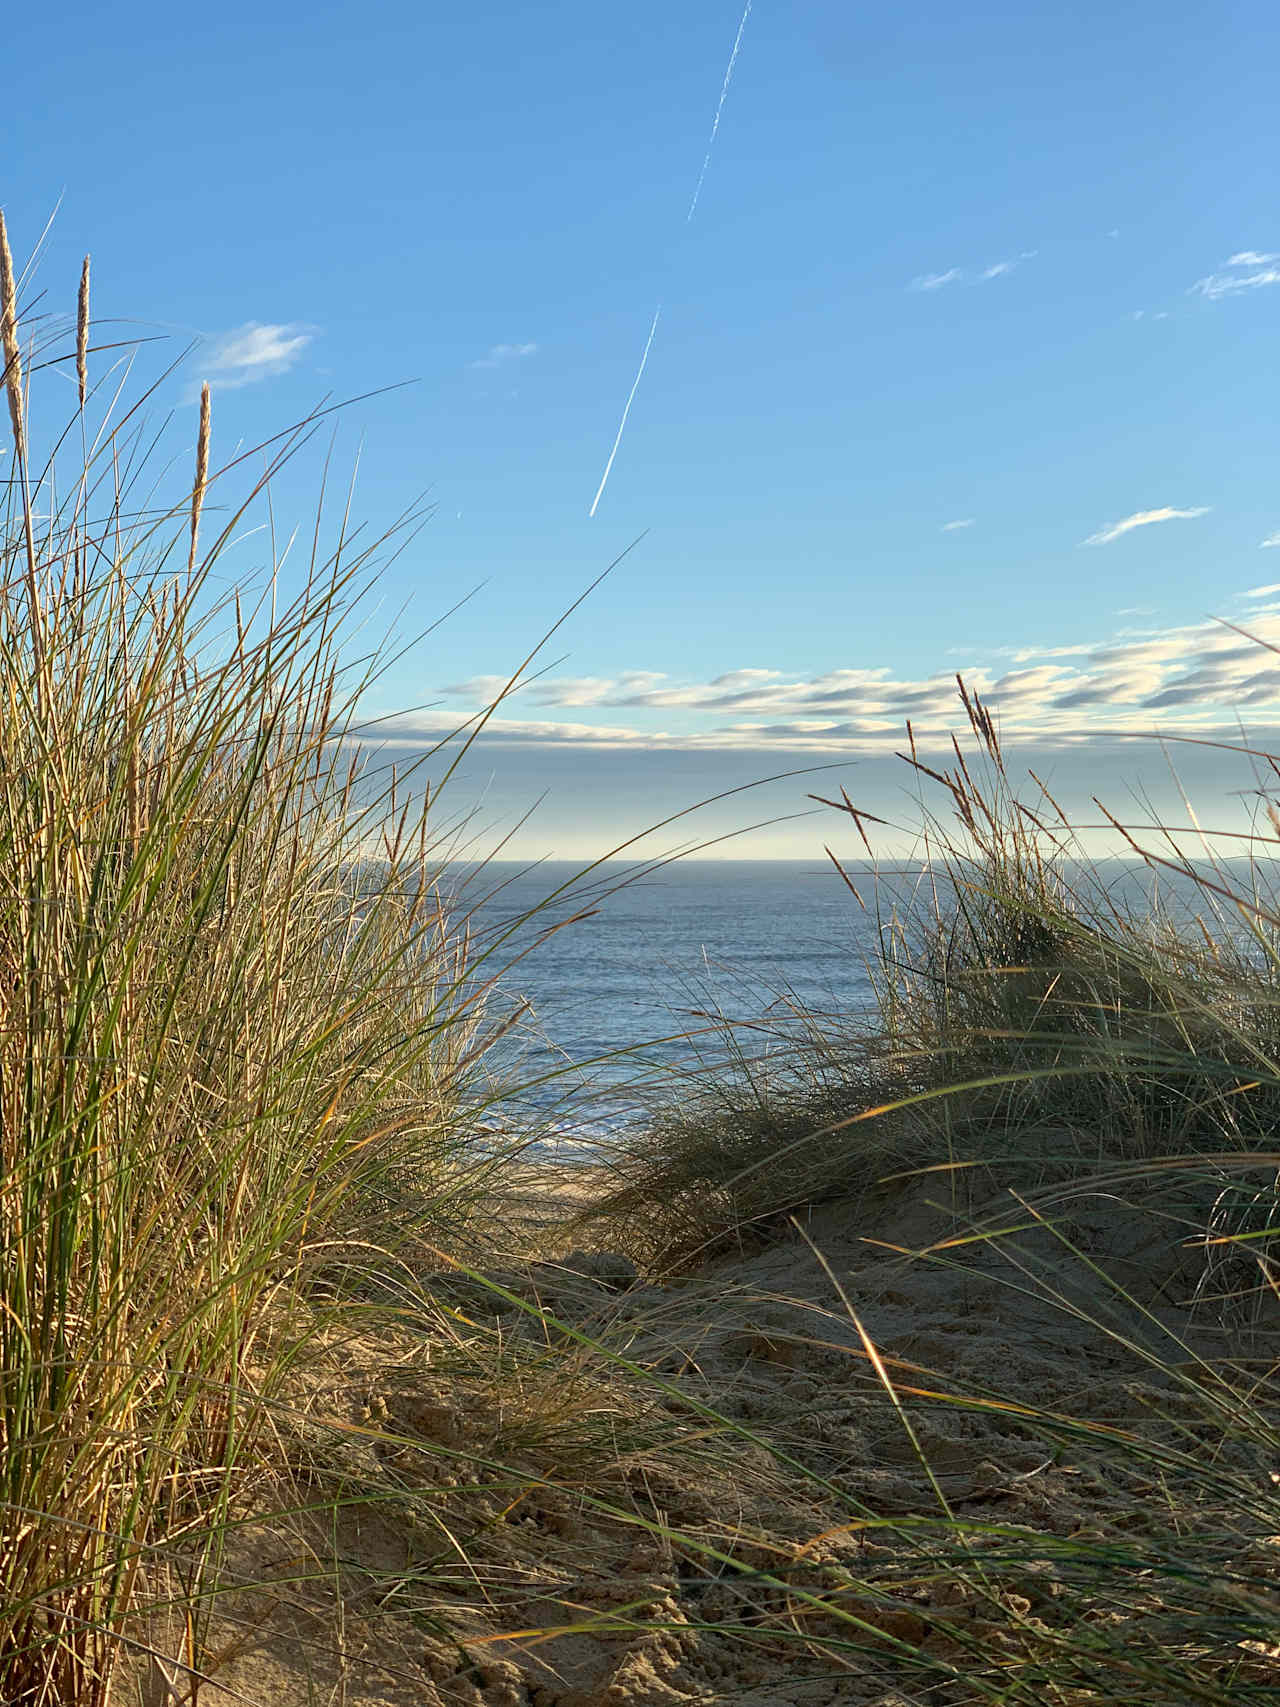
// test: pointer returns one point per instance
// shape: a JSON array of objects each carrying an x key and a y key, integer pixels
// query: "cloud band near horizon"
[{"x": 1190, "y": 679}]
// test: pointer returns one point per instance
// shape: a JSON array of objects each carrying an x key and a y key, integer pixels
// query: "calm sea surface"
[
  {"x": 621, "y": 989},
  {"x": 619, "y": 994}
]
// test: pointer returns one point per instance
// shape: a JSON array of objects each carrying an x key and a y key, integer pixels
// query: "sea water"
[
  {"x": 623, "y": 974},
  {"x": 620, "y": 974}
]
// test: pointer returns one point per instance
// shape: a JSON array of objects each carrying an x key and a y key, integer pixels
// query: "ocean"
[
  {"x": 620, "y": 974},
  {"x": 620, "y": 988}
]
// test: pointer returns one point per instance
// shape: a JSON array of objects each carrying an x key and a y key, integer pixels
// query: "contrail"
[
  {"x": 711, "y": 142},
  {"x": 604, "y": 478}
]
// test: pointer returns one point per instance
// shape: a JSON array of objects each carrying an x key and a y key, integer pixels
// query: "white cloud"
[
  {"x": 416, "y": 728},
  {"x": 1189, "y": 679},
  {"x": 1271, "y": 539},
  {"x": 1022, "y": 653},
  {"x": 735, "y": 680},
  {"x": 500, "y": 353},
  {"x": 1216, "y": 285},
  {"x": 955, "y": 527},
  {"x": 953, "y": 275},
  {"x": 935, "y": 281},
  {"x": 999, "y": 268},
  {"x": 253, "y": 351},
  {"x": 1263, "y": 592},
  {"x": 1142, "y": 519}
]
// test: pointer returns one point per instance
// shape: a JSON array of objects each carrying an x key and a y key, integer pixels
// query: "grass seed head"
[
  {"x": 202, "y": 472},
  {"x": 82, "y": 334},
  {"x": 9, "y": 339}
]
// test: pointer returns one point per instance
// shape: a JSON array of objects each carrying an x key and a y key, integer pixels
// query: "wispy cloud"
[
  {"x": 955, "y": 527},
  {"x": 1143, "y": 519},
  {"x": 999, "y": 268},
  {"x": 1266, "y": 592},
  {"x": 1248, "y": 269},
  {"x": 499, "y": 354},
  {"x": 1271, "y": 539},
  {"x": 254, "y": 351},
  {"x": 935, "y": 281},
  {"x": 976, "y": 275},
  {"x": 1189, "y": 678}
]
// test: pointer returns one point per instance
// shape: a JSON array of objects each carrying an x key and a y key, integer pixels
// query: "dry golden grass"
[
  {"x": 236, "y": 1057},
  {"x": 9, "y": 344},
  {"x": 82, "y": 335},
  {"x": 203, "y": 437}
]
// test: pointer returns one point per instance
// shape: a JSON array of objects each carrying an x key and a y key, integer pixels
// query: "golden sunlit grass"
[
  {"x": 221, "y": 1035},
  {"x": 1034, "y": 1014}
]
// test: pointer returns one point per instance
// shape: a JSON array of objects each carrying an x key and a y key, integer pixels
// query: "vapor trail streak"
[
  {"x": 622, "y": 424},
  {"x": 711, "y": 142}
]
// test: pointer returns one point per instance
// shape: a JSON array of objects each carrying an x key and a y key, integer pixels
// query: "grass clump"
[
  {"x": 227, "y": 1042},
  {"x": 1035, "y": 1014}
]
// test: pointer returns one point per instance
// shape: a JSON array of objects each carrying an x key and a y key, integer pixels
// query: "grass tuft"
[
  {"x": 228, "y": 1041},
  {"x": 1035, "y": 1016}
]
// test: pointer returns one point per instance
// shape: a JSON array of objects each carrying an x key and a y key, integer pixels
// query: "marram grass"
[
  {"x": 216, "y": 1038},
  {"x": 1032, "y": 1016}
]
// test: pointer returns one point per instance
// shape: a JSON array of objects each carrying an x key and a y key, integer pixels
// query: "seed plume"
[
  {"x": 9, "y": 340},
  {"x": 82, "y": 334},
  {"x": 202, "y": 473}
]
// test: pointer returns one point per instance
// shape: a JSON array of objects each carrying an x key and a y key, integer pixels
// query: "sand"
[{"x": 503, "y": 1596}]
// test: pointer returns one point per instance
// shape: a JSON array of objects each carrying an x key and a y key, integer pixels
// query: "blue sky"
[{"x": 965, "y": 360}]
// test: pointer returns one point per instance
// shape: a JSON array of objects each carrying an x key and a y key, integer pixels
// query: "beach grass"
[
  {"x": 1036, "y": 1012},
  {"x": 238, "y": 1022}
]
